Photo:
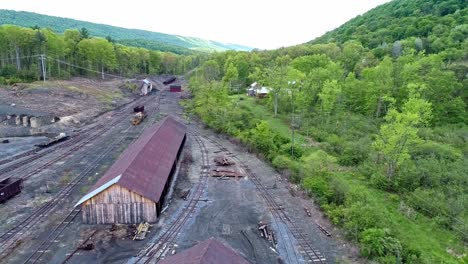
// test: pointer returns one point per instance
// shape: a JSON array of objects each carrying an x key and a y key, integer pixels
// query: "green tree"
[
  {"x": 231, "y": 74},
  {"x": 329, "y": 95},
  {"x": 399, "y": 131}
]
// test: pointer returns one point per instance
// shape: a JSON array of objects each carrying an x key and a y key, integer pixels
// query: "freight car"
[
  {"x": 10, "y": 187},
  {"x": 175, "y": 88},
  {"x": 140, "y": 114},
  {"x": 139, "y": 108},
  {"x": 59, "y": 138},
  {"x": 170, "y": 80}
]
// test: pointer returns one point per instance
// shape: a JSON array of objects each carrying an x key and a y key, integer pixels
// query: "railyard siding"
[{"x": 118, "y": 205}]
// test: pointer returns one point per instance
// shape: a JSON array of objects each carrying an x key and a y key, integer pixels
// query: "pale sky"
[{"x": 256, "y": 23}]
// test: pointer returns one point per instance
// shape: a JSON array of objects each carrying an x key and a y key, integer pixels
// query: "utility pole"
[
  {"x": 292, "y": 124},
  {"x": 43, "y": 67},
  {"x": 292, "y": 117}
]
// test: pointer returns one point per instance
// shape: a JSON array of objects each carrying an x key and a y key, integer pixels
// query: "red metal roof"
[
  {"x": 146, "y": 164},
  {"x": 210, "y": 251}
]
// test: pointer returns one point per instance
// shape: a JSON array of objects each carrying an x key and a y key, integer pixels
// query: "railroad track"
[
  {"x": 74, "y": 144},
  {"x": 53, "y": 235},
  {"x": 311, "y": 254},
  {"x": 158, "y": 249},
  {"x": 9, "y": 239}
]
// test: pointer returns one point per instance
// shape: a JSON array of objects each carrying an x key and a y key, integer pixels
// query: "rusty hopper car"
[
  {"x": 10, "y": 187},
  {"x": 170, "y": 80}
]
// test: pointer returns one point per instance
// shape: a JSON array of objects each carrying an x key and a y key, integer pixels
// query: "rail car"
[
  {"x": 175, "y": 88},
  {"x": 59, "y": 138},
  {"x": 10, "y": 187},
  {"x": 139, "y": 108},
  {"x": 140, "y": 114},
  {"x": 170, "y": 80}
]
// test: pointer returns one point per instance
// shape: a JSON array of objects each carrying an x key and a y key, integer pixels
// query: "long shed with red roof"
[{"x": 133, "y": 189}]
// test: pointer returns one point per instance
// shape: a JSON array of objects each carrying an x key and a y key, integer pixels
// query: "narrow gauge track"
[
  {"x": 73, "y": 141},
  {"x": 312, "y": 254},
  {"x": 9, "y": 239},
  {"x": 85, "y": 137},
  {"x": 156, "y": 251}
]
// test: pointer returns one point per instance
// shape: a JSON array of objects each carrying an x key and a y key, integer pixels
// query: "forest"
[
  {"x": 131, "y": 37},
  {"x": 370, "y": 119},
  {"x": 75, "y": 52}
]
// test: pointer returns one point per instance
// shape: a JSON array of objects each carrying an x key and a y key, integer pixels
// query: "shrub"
[
  {"x": 282, "y": 162},
  {"x": 318, "y": 161},
  {"x": 317, "y": 186},
  {"x": 286, "y": 150},
  {"x": 431, "y": 149},
  {"x": 354, "y": 153}
]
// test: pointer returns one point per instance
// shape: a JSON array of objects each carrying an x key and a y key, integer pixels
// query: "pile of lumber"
[{"x": 225, "y": 173}]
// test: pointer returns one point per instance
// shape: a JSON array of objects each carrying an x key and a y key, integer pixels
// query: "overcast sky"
[{"x": 256, "y": 23}]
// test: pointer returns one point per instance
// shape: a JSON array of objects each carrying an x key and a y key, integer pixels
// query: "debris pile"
[
  {"x": 265, "y": 233},
  {"x": 141, "y": 231},
  {"x": 88, "y": 246},
  {"x": 223, "y": 161},
  {"x": 328, "y": 234}
]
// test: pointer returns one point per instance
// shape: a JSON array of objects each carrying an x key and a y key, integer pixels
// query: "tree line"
[{"x": 76, "y": 53}]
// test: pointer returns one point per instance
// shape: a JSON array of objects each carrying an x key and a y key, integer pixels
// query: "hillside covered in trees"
[
  {"x": 76, "y": 53},
  {"x": 133, "y": 37},
  {"x": 371, "y": 119}
]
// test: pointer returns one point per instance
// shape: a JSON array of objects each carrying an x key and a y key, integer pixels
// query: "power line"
[
  {"x": 86, "y": 69},
  {"x": 20, "y": 57}
]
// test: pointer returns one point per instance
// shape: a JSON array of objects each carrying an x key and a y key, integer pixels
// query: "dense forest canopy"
[
  {"x": 159, "y": 41},
  {"x": 434, "y": 25},
  {"x": 370, "y": 118}
]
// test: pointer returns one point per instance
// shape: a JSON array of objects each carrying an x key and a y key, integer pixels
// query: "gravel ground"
[
  {"x": 230, "y": 213},
  {"x": 19, "y": 145}
]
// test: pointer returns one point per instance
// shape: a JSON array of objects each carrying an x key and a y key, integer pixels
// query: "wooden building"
[
  {"x": 146, "y": 87},
  {"x": 133, "y": 189}
]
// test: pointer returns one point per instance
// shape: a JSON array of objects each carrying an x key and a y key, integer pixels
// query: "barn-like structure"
[
  {"x": 133, "y": 189},
  {"x": 210, "y": 251}
]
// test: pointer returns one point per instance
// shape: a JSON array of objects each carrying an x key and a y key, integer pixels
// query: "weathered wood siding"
[{"x": 118, "y": 205}]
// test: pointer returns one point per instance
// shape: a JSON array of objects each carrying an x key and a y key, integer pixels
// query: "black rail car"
[
  {"x": 139, "y": 108},
  {"x": 10, "y": 187},
  {"x": 61, "y": 137},
  {"x": 170, "y": 80}
]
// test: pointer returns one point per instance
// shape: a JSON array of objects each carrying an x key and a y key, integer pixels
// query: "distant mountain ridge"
[{"x": 60, "y": 24}]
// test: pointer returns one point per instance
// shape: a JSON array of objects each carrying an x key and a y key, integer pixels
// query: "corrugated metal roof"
[
  {"x": 210, "y": 251},
  {"x": 146, "y": 164}
]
